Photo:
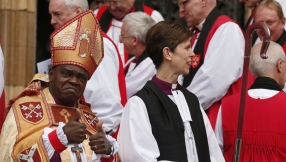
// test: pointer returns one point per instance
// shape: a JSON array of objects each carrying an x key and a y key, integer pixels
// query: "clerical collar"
[
  {"x": 265, "y": 83},
  {"x": 59, "y": 102},
  {"x": 200, "y": 26},
  {"x": 165, "y": 86}
]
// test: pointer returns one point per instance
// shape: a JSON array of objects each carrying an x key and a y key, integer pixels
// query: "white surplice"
[
  {"x": 222, "y": 65},
  {"x": 115, "y": 30},
  {"x": 102, "y": 89},
  {"x": 136, "y": 77}
]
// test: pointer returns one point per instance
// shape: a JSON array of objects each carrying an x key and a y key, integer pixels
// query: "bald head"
[{"x": 273, "y": 67}]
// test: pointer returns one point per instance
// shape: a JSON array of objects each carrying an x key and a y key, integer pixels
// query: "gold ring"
[{"x": 95, "y": 147}]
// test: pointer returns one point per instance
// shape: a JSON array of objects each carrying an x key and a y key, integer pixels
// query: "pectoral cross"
[
  {"x": 76, "y": 149},
  {"x": 66, "y": 114}
]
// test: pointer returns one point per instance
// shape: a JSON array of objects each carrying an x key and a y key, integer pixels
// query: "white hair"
[
  {"x": 137, "y": 24},
  {"x": 261, "y": 67},
  {"x": 72, "y": 4}
]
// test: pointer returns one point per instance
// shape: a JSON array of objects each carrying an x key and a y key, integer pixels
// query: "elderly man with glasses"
[
  {"x": 270, "y": 12},
  {"x": 110, "y": 19},
  {"x": 218, "y": 44}
]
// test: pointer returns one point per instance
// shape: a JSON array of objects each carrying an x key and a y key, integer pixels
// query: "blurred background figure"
[
  {"x": 110, "y": 19},
  {"x": 270, "y": 12},
  {"x": 95, "y": 4},
  {"x": 250, "y": 5},
  {"x": 140, "y": 68}
]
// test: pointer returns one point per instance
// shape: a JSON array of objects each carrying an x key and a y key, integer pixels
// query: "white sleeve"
[
  {"x": 61, "y": 135},
  {"x": 135, "y": 137},
  {"x": 1, "y": 72},
  {"x": 136, "y": 79},
  {"x": 157, "y": 16},
  {"x": 95, "y": 12},
  {"x": 102, "y": 90},
  {"x": 222, "y": 65},
  {"x": 218, "y": 130},
  {"x": 215, "y": 153}
]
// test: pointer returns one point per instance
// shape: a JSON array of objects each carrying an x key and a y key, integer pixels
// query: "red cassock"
[{"x": 264, "y": 131}]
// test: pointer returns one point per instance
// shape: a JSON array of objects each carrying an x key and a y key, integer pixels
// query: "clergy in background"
[
  {"x": 140, "y": 68},
  {"x": 263, "y": 134}
]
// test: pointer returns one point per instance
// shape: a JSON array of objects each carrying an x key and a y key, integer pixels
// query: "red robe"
[{"x": 263, "y": 136}]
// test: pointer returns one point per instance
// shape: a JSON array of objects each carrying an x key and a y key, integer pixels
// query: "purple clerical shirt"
[{"x": 164, "y": 86}]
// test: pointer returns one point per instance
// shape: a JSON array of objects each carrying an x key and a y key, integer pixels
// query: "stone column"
[{"x": 18, "y": 35}]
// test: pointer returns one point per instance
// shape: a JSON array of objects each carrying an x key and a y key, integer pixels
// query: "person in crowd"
[
  {"x": 251, "y": 4},
  {"x": 218, "y": 44},
  {"x": 264, "y": 115},
  {"x": 110, "y": 18},
  {"x": 140, "y": 68},
  {"x": 95, "y": 4},
  {"x": 106, "y": 89},
  {"x": 48, "y": 121},
  {"x": 164, "y": 121},
  {"x": 270, "y": 12}
]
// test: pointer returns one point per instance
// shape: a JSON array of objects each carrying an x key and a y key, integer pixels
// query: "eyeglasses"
[
  {"x": 182, "y": 4},
  {"x": 114, "y": 3},
  {"x": 122, "y": 36}
]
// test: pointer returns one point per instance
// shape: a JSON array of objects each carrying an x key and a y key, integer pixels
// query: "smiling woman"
[{"x": 164, "y": 107}]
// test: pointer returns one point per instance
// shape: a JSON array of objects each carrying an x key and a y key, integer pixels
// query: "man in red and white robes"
[
  {"x": 263, "y": 134},
  {"x": 218, "y": 44},
  {"x": 140, "y": 68},
  {"x": 110, "y": 19}
]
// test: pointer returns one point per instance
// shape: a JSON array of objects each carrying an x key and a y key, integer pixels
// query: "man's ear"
[
  {"x": 51, "y": 74},
  {"x": 203, "y": 2},
  {"x": 167, "y": 53},
  {"x": 280, "y": 66},
  {"x": 78, "y": 10},
  {"x": 135, "y": 40}
]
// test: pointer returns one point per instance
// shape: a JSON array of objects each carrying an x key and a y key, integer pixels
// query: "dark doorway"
[{"x": 44, "y": 30}]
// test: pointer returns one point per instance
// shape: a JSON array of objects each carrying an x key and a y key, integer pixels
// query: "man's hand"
[
  {"x": 74, "y": 130},
  {"x": 98, "y": 142}
]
